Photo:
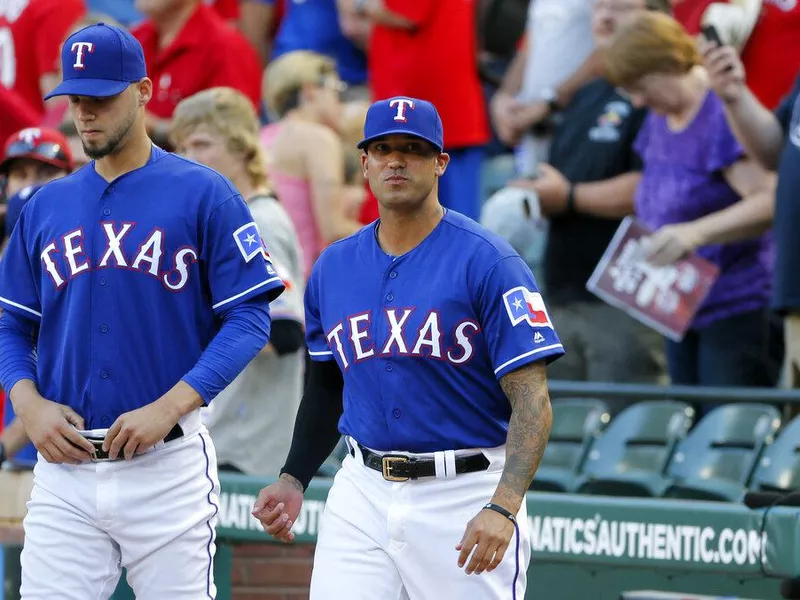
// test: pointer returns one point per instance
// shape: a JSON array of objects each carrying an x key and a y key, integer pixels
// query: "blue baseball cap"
[
  {"x": 100, "y": 61},
  {"x": 403, "y": 115}
]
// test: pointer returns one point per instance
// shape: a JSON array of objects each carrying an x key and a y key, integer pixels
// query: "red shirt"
[
  {"x": 30, "y": 43},
  {"x": 772, "y": 54},
  {"x": 206, "y": 53},
  {"x": 369, "y": 208},
  {"x": 227, "y": 9},
  {"x": 436, "y": 62},
  {"x": 689, "y": 13},
  {"x": 15, "y": 114}
]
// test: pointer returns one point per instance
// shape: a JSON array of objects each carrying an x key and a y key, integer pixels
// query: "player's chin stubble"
[{"x": 113, "y": 145}]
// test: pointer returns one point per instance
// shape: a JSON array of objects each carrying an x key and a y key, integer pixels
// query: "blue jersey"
[
  {"x": 314, "y": 25},
  {"x": 424, "y": 338},
  {"x": 127, "y": 280}
]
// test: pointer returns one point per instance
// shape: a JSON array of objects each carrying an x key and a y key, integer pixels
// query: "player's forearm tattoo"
[{"x": 528, "y": 431}]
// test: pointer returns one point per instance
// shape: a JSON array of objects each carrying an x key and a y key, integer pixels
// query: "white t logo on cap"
[
  {"x": 30, "y": 135},
  {"x": 401, "y": 104},
  {"x": 81, "y": 47}
]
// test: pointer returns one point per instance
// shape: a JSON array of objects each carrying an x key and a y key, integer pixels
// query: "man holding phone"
[
  {"x": 772, "y": 138},
  {"x": 585, "y": 190}
]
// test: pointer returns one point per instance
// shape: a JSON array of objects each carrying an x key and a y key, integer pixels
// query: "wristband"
[{"x": 499, "y": 509}]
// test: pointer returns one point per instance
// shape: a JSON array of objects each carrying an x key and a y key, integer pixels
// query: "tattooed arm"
[
  {"x": 528, "y": 432},
  {"x": 488, "y": 534}
]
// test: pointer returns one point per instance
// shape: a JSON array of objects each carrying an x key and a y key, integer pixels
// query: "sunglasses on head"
[{"x": 45, "y": 150}]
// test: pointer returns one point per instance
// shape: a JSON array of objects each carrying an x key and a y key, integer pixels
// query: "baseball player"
[
  {"x": 251, "y": 420},
  {"x": 133, "y": 291},
  {"x": 429, "y": 342}
]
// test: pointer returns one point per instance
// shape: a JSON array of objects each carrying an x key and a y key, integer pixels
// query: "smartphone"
[{"x": 712, "y": 35}]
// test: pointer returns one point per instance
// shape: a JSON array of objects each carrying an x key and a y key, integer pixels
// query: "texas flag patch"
[
  {"x": 523, "y": 305},
  {"x": 249, "y": 241}
]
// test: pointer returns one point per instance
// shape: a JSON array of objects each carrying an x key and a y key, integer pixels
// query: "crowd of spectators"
[{"x": 601, "y": 109}]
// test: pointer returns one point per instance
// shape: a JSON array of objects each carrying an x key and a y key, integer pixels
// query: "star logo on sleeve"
[
  {"x": 248, "y": 240},
  {"x": 525, "y": 306}
]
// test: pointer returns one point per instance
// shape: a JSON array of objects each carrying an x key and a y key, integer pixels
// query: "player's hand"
[
  {"x": 550, "y": 186},
  {"x": 489, "y": 534},
  {"x": 278, "y": 506},
  {"x": 53, "y": 429},
  {"x": 725, "y": 70},
  {"x": 137, "y": 431},
  {"x": 671, "y": 243}
]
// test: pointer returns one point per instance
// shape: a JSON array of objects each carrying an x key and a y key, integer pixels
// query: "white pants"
[
  {"x": 396, "y": 540},
  {"x": 154, "y": 515}
]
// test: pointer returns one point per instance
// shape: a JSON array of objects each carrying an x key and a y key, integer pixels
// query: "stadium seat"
[
  {"x": 576, "y": 423},
  {"x": 778, "y": 469},
  {"x": 630, "y": 457},
  {"x": 717, "y": 459}
]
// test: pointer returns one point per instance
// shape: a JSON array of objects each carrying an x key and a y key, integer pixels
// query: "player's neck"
[
  {"x": 133, "y": 156},
  {"x": 401, "y": 231}
]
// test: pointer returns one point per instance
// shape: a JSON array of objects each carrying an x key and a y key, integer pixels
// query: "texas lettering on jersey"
[
  {"x": 65, "y": 257},
  {"x": 426, "y": 341}
]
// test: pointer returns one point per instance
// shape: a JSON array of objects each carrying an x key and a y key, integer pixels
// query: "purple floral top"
[{"x": 683, "y": 181}]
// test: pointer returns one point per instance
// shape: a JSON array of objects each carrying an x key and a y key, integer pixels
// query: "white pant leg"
[
  {"x": 432, "y": 517},
  {"x": 166, "y": 505},
  {"x": 351, "y": 559},
  {"x": 66, "y": 554}
]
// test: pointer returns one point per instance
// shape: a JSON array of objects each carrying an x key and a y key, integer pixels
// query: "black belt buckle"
[
  {"x": 387, "y": 465},
  {"x": 99, "y": 453}
]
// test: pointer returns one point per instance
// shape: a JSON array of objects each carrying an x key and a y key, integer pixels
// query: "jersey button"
[
  {"x": 104, "y": 328},
  {"x": 104, "y": 374},
  {"x": 396, "y": 413},
  {"x": 102, "y": 281},
  {"x": 389, "y": 368},
  {"x": 106, "y": 211},
  {"x": 393, "y": 274},
  {"x": 105, "y": 421},
  {"x": 389, "y": 297}
]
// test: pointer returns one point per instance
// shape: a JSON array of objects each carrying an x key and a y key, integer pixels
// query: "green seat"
[
  {"x": 717, "y": 459},
  {"x": 576, "y": 422},
  {"x": 630, "y": 457},
  {"x": 778, "y": 469}
]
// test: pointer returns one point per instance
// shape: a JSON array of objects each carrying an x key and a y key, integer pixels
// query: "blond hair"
[
  {"x": 653, "y": 43},
  {"x": 229, "y": 113},
  {"x": 285, "y": 77}
]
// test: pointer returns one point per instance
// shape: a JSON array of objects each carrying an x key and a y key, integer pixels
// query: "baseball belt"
[
  {"x": 101, "y": 455},
  {"x": 398, "y": 467}
]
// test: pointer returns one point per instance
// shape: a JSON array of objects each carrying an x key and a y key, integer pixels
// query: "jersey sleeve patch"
[
  {"x": 525, "y": 306},
  {"x": 248, "y": 240}
]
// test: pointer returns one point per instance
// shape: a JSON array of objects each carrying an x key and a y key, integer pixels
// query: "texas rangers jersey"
[
  {"x": 127, "y": 280},
  {"x": 424, "y": 338}
]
